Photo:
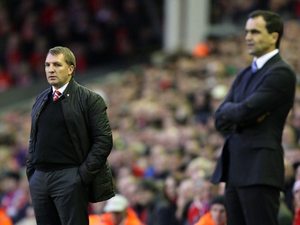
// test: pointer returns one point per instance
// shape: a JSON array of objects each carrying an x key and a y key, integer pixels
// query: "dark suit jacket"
[
  {"x": 252, "y": 118},
  {"x": 88, "y": 126}
]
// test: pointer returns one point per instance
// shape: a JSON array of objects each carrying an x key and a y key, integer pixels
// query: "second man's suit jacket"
[{"x": 252, "y": 118}]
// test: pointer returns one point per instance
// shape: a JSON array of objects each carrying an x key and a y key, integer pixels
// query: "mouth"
[
  {"x": 250, "y": 45},
  {"x": 52, "y": 77}
]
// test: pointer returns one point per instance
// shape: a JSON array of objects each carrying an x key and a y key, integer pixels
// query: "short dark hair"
[
  {"x": 219, "y": 199},
  {"x": 148, "y": 185},
  {"x": 273, "y": 20}
]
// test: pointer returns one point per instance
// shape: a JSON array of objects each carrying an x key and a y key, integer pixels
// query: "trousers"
[
  {"x": 59, "y": 197},
  {"x": 252, "y": 205}
]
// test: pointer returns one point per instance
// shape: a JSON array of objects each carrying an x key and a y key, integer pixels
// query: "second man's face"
[
  {"x": 58, "y": 72},
  {"x": 258, "y": 40}
]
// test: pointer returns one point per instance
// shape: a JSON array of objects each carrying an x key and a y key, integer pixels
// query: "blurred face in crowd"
[
  {"x": 118, "y": 217},
  {"x": 218, "y": 214},
  {"x": 297, "y": 199},
  {"x": 258, "y": 40},
  {"x": 144, "y": 197},
  {"x": 170, "y": 188},
  {"x": 58, "y": 72},
  {"x": 297, "y": 174}
]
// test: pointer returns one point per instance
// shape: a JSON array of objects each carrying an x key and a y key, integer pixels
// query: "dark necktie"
[
  {"x": 56, "y": 95},
  {"x": 254, "y": 67}
]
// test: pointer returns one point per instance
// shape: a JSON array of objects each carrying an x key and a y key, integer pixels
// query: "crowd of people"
[
  {"x": 98, "y": 31},
  {"x": 165, "y": 142},
  {"x": 234, "y": 11}
]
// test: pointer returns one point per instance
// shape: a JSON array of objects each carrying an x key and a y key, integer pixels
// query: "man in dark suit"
[
  {"x": 69, "y": 144},
  {"x": 252, "y": 118}
]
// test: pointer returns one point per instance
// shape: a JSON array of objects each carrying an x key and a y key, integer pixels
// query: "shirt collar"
[
  {"x": 260, "y": 62},
  {"x": 62, "y": 89}
]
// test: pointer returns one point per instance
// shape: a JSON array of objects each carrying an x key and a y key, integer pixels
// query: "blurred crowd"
[
  {"x": 98, "y": 31},
  {"x": 235, "y": 10},
  {"x": 161, "y": 114},
  {"x": 165, "y": 143}
]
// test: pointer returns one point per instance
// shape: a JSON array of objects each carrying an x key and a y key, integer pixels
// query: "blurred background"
[{"x": 162, "y": 66}]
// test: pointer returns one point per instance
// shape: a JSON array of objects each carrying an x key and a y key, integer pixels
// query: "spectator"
[
  {"x": 147, "y": 196},
  {"x": 4, "y": 218},
  {"x": 216, "y": 214},
  {"x": 15, "y": 199},
  {"x": 296, "y": 191},
  {"x": 117, "y": 212},
  {"x": 166, "y": 207},
  {"x": 200, "y": 203}
]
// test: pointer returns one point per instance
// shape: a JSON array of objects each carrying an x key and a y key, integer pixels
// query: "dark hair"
[
  {"x": 274, "y": 22},
  {"x": 148, "y": 185},
  {"x": 220, "y": 199},
  {"x": 11, "y": 175}
]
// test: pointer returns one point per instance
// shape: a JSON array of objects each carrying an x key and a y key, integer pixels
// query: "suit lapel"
[
  {"x": 241, "y": 88},
  {"x": 252, "y": 81}
]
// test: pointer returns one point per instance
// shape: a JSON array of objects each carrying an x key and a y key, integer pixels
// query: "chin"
[
  {"x": 251, "y": 52},
  {"x": 54, "y": 84}
]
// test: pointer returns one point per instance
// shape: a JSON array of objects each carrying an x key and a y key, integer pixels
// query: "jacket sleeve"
[
  {"x": 273, "y": 92},
  {"x": 101, "y": 139},
  {"x": 29, "y": 166},
  {"x": 225, "y": 126}
]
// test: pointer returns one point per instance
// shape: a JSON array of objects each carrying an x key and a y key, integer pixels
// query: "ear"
[
  {"x": 275, "y": 37},
  {"x": 71, "y": 69}
]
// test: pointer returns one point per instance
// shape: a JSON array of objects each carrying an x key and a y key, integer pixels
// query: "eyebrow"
[
  {"x": 252, "y": 31},
  {"x": 55, "y": 62}
]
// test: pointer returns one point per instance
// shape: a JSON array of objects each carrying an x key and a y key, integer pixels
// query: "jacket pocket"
[{"x": 102, "y": 187}]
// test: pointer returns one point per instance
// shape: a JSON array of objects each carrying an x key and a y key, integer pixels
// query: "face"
[
  {"x": 258, "y": 40},
  {"x": 144, "y": 197},
  {"x": 297, "y": 174},
  {"x": 118, "y": 217},
  {"x": 170, "y": 188},
  {"x": 218, "y": 214},
  {"x": 58, "y": 72}
]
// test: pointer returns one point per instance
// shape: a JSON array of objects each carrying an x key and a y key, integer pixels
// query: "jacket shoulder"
[
  {"x": 42, "y": 97},
  {"x": 89, "y": 95},
  {"x": 44, "y": 93},
  {"x": 278, "y": 62},
  {"x": 283, "y": 69}
]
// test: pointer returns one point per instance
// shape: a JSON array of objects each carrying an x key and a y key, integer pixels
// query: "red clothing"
[
  {"x": 206, "y": 220},
  {"x": 94, "y": 219},
  {"x": 296, "y": 220},
  {"x": 107, "y": 219},
  {"x": 4, "y": 219},
  {"x": 196, "y": 210}
]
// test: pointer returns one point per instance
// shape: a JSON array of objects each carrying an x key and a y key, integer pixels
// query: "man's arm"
[
  {"x": 29, "y": 167},
  {"x": 272, "y": 93},
  {"x": 101, "y": 139},
  {"x": 223, "y": 125}
]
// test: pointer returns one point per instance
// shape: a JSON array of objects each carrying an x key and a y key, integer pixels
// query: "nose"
[
  {"x": 248, "y": 36},
  {"x": 49, "y": 68}
]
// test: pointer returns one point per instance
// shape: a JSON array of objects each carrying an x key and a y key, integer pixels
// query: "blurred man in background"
[
  {"x": 216, "y": 214},
  {"x": 117, "y": 212},
  {"x": 252, "y": 119}
]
